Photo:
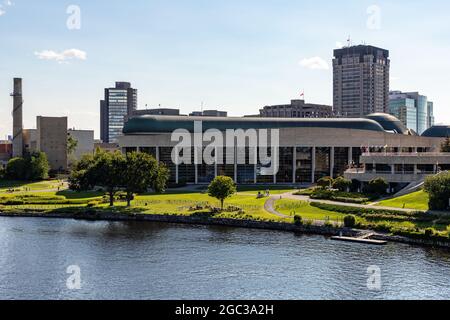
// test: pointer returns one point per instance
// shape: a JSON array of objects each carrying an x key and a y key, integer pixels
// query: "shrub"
[
  {"x": 342, "y": 184},
  {"x": 438, "y": 188},
  {"x": 349, "y": 221},
  {"x": 322, "y": 194},
  {"x": 429, "y": 232},
  {"x": 377, "y": 186},
  {"x": 325, "y": 182},
  {"x": 298, "y": 221}
]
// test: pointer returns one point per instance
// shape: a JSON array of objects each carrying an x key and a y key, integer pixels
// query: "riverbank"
[{"x": 312, "y": 229}]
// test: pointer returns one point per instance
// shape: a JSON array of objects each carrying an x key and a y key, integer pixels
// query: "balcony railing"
[{"x": 406, "y": 154}]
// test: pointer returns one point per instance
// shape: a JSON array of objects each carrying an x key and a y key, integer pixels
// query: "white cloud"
[
  {"x": 314, "y": 63},
  {"x": 61, "y": 57},
  {"x": 8, "y": 3},
  {"x": 2, "y": 12}
]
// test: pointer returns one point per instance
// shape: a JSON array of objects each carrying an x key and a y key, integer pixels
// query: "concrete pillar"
[
  {"x": 332, "y": 162},
  {"x": 176, "y": 166},
  {"x": 416, "y": 170},
  {"x": 235, "y": 165},
  {"x": 392, "y": 168},
  {"x": 350, "y": 156},
  {"x": 294, "y": 166},
  {"x": 157, "y": 154},
  {"x": 196, "y": 173},
  {"x": 256, "y": 166},
  {"x": 313, "y": 166},
  {"x": 216, "y": 158}
]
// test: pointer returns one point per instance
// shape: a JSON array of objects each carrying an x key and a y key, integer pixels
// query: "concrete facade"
[
  {"x": 85, "y": 143},
  {"x": 52, "y": 140},
  {"x": 306, "y": 153}
]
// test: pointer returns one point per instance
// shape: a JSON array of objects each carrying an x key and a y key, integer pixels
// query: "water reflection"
[{"x": 135, "y": 260}]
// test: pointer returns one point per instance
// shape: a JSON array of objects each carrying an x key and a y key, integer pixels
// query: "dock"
[{"x": 365, "y": 239}]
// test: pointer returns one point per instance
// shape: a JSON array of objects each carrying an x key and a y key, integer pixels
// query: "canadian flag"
[{"x": 302, "y": 94}]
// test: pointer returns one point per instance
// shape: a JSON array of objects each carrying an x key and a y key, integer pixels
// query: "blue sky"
[{"x": 237, "y": 55}]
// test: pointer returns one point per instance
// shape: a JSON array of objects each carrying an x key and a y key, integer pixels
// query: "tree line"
[
  {"x": 132, "y": 173},
  {"x": 31, "y": 167}
]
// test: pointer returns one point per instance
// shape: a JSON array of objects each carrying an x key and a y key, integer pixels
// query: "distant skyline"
[{"x": 236, "y": 56}]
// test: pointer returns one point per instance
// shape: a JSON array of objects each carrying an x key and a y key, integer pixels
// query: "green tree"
[
  {"x": 2, "y": 173},
  {"x": 33, "y": 167},
  {"x": 342, "y": 184},
  {"x": 222, "y": 188},
  {"x": 445, "y": 146},
  {"x": 104, "y": 169},
  {"x": 38, "y": 166},
  {"x": 80, "y": 178},
  {"x": 438, "y": 188},
  {"x": 16, "y": 169},
  {"x": 377, "y": 186},
  {"x": 142, "y": 172},
  {"x": 107, "y": 172},
  {"x": 325, "y": 182},
  {"x": 72, "y": 144}
]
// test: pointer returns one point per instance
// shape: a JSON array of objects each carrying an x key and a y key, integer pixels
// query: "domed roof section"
[
  {"x": 164, "y": 124},
  {"x": 437, "y": 132},
  {"x": 389, "y": 123}
]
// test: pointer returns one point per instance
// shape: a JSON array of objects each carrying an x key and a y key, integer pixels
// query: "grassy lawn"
[
  {"x": 21, "y": 186},
  {"x": 305, "y": 210},
  {"x": 174, "y": 202},
  {"x": 180, "y": 204},
  {"x": 417, "y": 200}
]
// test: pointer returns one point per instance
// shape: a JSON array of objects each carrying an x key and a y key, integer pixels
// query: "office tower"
[
  {"x": 120, "y": 102},
  {"x": 430, "y": 111},
  {"x": 404, "y": 109},
  {"x": 423, "y": 109},
  {"x": 361, "y": 81},
  {"x": 297, "y": 109},
  {"x": 17, "y": 118}
]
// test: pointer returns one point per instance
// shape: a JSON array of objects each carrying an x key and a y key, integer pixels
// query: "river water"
[{"x": 131, "y": 260}]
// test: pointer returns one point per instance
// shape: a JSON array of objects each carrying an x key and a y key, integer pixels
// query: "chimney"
[{"x": 17, "y": 118}]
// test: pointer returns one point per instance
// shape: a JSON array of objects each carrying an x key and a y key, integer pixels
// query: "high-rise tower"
[
  {"x": 17, "y": 118},
  {"x": 118, "y": 105},
  {"x": 361, "y": 81}
]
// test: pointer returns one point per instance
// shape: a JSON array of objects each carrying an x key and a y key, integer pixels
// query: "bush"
[
  {"x": 438, "y": 188},
  {"x": 342, "y": 184},
  {"x": 322, "y": 194},
  {"x": 429, "y": 232},
  {"x": 325, "y": 182},
  {"x": 32, "y": 167},
  {"x": 349, "y": 221},
  {"x": 298, "y": 221},
  {"x": 377, "y": 186}
]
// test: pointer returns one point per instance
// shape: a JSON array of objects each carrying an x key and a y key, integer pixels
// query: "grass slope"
[{"x": 417, "y": 200}]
